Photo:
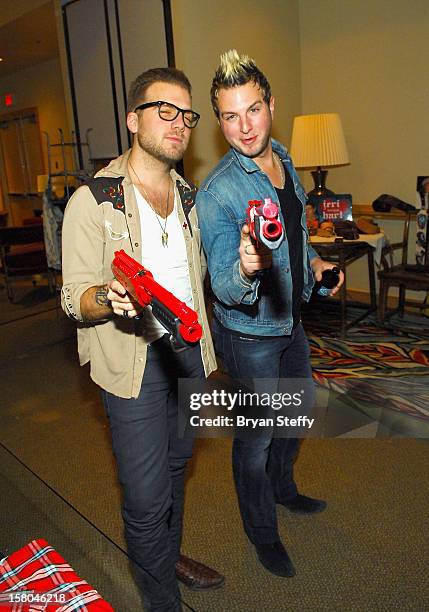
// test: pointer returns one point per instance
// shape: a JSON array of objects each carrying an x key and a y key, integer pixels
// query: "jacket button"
[
  {"x": 136, "y": 244},
  {"x": 130, "y": 214}
]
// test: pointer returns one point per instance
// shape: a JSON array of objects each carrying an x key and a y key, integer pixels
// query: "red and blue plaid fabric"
[{"x": 36, "y": 578}]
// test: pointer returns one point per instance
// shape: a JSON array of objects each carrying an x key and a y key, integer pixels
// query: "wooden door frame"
[{"x": 11, "y": 116}]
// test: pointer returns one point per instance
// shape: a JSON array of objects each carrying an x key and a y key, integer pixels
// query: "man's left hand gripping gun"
[
  {"x": 264, "y": 224},
  {"x": 180, "y": 320}
]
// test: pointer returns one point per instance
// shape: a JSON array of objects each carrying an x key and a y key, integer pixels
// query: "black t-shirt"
[{"x": 291, "y": 208}]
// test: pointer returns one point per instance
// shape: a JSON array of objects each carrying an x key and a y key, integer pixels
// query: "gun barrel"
[
  {"x": 264, "y": 224},
  {"x": 272, "y": 229}
]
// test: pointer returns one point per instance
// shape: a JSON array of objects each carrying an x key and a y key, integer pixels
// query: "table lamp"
[{"x": 318, "y": 142}]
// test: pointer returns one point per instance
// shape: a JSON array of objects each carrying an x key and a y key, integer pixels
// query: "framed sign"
[{"x": 330, "y": 208}]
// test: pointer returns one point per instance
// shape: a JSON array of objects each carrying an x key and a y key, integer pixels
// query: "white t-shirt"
[{"x": 168, "y": 264}]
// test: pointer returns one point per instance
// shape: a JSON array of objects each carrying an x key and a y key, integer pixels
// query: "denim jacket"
[{"x": 262, "y": 306}]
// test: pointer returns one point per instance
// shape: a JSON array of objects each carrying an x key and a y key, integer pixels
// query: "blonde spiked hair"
[{"x": 235, "y": 70}]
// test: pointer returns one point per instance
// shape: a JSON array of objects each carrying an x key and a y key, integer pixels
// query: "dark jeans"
[
  {"x": 263, "y": 467},
  {"x": 151, "y": 464}
]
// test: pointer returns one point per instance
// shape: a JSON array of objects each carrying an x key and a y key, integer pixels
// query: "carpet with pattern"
[{"x": 382, "y": 371}]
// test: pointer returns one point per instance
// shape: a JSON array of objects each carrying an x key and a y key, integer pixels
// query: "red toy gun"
[
  {"x": 264, "y": 224},
  {"x": 177, "y": 318}
]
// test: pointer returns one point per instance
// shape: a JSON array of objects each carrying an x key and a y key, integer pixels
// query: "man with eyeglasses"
[{"x": 140, "y": 204}]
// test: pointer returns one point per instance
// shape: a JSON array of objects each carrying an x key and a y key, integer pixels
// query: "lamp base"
[{"x": 319, "y": 177}]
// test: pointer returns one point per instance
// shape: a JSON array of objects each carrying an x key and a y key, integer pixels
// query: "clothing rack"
[
  {"x": 53, "y": 207},
  {"x": 80, "y": 174}
]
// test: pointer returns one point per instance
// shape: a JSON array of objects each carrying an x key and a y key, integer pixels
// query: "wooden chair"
[
  {"x": 22, "y": 252},
  {"x": 406, "y": 276}
]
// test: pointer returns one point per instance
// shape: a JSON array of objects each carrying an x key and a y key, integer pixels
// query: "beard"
[{"x": 167, "y": 156}]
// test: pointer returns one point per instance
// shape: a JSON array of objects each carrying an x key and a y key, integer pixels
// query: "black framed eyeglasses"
[{"x": 169, "y": 112}]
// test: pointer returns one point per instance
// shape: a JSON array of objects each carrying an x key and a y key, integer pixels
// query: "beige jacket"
[{"x": 100, "y": 219}]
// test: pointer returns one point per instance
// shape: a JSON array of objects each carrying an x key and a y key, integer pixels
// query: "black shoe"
[
  {"x": 275, "y": 559},
  {"x": 301, "y": 504}
]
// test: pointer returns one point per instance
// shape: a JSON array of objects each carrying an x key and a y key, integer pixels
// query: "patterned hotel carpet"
[{"x": 383, "y": 372}]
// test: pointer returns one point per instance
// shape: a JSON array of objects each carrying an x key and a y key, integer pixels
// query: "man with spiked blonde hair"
[{"x": 258, "y": 292}]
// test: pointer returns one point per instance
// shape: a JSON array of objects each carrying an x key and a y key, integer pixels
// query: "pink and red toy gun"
[
  {"x": 264, "y": 224},
  {"x": 180, "y": 320}
]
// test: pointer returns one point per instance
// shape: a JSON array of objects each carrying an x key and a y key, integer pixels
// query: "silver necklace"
[
  {"x": 164, "y": 233},
  {"x": 282, "y": 170}
]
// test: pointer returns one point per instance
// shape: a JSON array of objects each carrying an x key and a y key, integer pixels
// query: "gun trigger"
[{"x": 176, "y": 348}]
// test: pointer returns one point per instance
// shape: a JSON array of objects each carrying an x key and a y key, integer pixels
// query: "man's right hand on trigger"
[
  {"x": 252, "y": 259},
  {"x": 121, "y": 300}
]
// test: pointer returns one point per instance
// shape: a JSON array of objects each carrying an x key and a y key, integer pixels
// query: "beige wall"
[
  {"x": 13, "y": 9},
  {"x": 368, "y": 61},
  {"x": 268, "y": 31}
]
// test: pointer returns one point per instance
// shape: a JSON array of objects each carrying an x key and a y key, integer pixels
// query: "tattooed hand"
[
  {"x": 101, "y": 296},
  {"x": 99, "y": 303}
]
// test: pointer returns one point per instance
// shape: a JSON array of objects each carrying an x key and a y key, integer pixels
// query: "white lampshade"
[{"x": 318, "y": 141}]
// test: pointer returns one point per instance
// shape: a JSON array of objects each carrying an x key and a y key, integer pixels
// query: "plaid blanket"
[{"x": 36, "y": 578}]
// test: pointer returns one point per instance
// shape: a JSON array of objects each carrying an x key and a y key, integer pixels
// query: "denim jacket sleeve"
[
  {"x": 311, "y": 252},
  {"x": 220, "y": 235}
]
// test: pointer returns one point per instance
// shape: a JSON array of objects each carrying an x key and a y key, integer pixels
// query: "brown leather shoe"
[{"x": 197, "y": 576}]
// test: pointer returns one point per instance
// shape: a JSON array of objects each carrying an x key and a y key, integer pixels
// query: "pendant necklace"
[
  {"x": 164, "y": 233},
  {"x": 281, "y": 168}
]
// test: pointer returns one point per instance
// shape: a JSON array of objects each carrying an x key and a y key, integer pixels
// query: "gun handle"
[{"x": 181, "y": 333}]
